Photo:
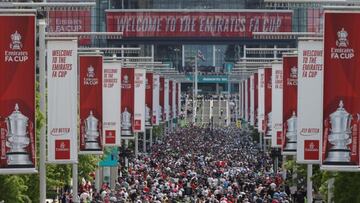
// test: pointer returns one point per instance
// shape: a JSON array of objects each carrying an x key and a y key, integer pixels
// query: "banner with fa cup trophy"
[
  {"x": 341, "y": 100},
  {"x": 309, "y": 109},
  {"x": 247, "y": 99},
  {"x": 156, "y": 100},
  {"x": 112, "y": 99},
  {"x": 277, "y": 103},
  {"x": 139, "y": 100},
  {"x": 62, "y": 80},
  {"x": 149, "y": 118},
  {"x": 267, "y": 103},
  {"x": 289, "y": 112},
  {"x": 261, "y": 100},
  {"x": 17, "y": 94},
  {"x": 127, "y": 102},
  {"x": 91, "y": 102}
]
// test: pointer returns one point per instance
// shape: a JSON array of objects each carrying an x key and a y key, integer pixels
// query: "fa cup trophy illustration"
[
  {"x": 126, "y": 122},
  {"x": 92, "y": 133},
  {"x": 147, "y": 116},
  {"x": 269, "y": 127},
  {"x": 17, "y": 139},
  {"x": 340, "y": 136},
  {"x": 291, "y": 133}
]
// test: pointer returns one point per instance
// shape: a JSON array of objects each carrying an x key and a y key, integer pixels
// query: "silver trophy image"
[
  {"x": 269, "y": 123},
  {"x": 126, "y": 122},
  {"x": 291, "y": 133},
  {"x": 340, "y": 136},
  {"x": 147, "y": 116},
  {"x": 92, "y": 133},
  {"x": 17, "y": 139}
]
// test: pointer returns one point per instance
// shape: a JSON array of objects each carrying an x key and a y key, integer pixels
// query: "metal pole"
[
  {"x": 144, "y": 141},
  {"x": 126, "y": 158},
  {"x": 42, "y": 67},
  {"x": 151, "y": 138},
  {"x": 75, "y": 182},
  {"x": 261, "y": 141},
  {"x": 309, "y": 183},
  {"x": 330, "y": 189}
]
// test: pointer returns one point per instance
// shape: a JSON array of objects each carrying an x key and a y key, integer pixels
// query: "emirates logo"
[
  {"x": 16, "y": 41},
  {"x": 90, "y": 72},
  {"x": 311, "y": 146},
  {"x": 294, "y": 72},
  {"x": 62, "y": 145},
  {"x": 342, "y": 40}
]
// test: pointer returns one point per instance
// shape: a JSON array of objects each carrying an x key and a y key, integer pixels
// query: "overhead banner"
[
  {"x": 91, "y": 102},
  {"x": 277, "y": 103},
  {"x": 252, "y": 102},
  {"x": 127, "y": 102},
  {"x": 309, "y": 109},
  {"x": 112, "y": 99},
  {"x": 166, "y": 100},
  {"x": 17, "y": 94},
  {"x": 162, "y": 113},
  {"x": 289, "y": 119},
  {"x": 268, "y": 103},
  {"x": 256, "y": 78},
  {"x": 197, "y": 23},
  {"x": 341, "y": 101},
  {"x": 62, "y": 81},
  {"x": 149, "y": 106},
  {"x": 156, "y": 113},
  {"x": 261, "y": 100},
  {"x": 139, "y": 100},
  {"x": 61, "y": 20}
]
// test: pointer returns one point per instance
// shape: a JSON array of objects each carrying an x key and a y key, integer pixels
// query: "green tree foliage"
[{"x": 347, "y": 187}]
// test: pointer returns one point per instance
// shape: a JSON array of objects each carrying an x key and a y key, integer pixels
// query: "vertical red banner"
[
  {"x": 91, "y": 104},
  {"x": 341, "y": 101},
  {"x": 162, "y": 99},
  {"x": 149, "y": 99},
  {"x": 290, "y": 80},
  {"x": 256, "y": 77},
  {"x": 267, "y": 101},
  {"x": 248, "y": 100},
  {"x": 17, "y": 92},
  {"x": 127, "y": 101}
]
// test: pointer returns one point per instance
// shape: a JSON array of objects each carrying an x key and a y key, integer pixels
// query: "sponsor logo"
[
  {"x": 90, "y": 78},
  {"x": 125, "y": 84},
  {"x": 137, "y": 124},
  {"x": 342, "y": 50},
  {"x": 15, "y": 54},
  {"x": 311, "y": 149},
  {"x": 59, "y": 131},
  {"x": 62, "y": 149},
  {"x": 110, "y": 136}
]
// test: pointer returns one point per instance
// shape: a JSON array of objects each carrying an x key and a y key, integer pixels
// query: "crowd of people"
[{"x": 195, "y": 164}]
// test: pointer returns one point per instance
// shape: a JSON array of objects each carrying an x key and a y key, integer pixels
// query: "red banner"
[
  {"x": 267, "y": 101},
  {"x": 256, "y": 75},
  {"x": 341, "y": 101},
  {"x": 127, "y": 101},
  {"x": 290, "y": 79},
  {"x": 70, "y": 21},
  {"x": 149, "y": 120},
  {"x": 91, "y": 103},
  {"x": 196, "y": 23},
  {"x": 17, "y": 92},
  {"x": 162, "y": 99}
]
